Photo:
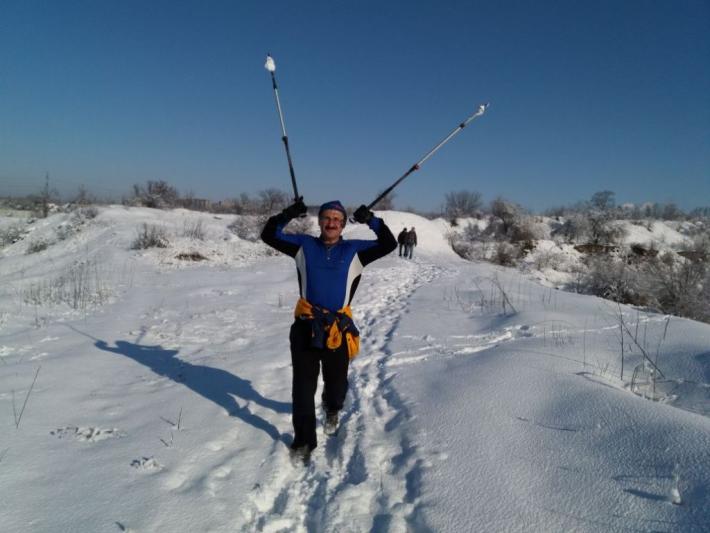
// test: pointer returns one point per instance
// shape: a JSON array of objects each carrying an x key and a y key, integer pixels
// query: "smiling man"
[{"x": 323, "y": 333}]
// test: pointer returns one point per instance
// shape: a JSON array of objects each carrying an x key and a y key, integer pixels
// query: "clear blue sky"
[{"x": 585, "y": 96}]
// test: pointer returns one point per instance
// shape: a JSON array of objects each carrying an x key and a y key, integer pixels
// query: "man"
[
  {"x": 329, "y": 269},
  {"x": 410, "y": 242},
  {"x": 401, "y": 239}
]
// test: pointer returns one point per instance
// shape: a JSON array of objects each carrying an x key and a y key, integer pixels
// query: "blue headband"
[{"x": 335, "y": 205}]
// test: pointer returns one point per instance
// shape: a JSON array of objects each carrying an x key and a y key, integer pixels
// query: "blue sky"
[{"x": 585, "y": 96}]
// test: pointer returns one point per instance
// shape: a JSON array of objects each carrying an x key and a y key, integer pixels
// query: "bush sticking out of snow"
[
  {"x": 506, "y": 254},
  {"x": 150, "y": 236},
  {"x": 248, "y": 227},
  {"x": 679, "y": 286},
  {"x": 193, "y": 230},
  {"x": 300, "y": 225},
  {"x": 191, "y": 256},
  {"x": 37, "y": 246},
  {"x": 10, "y": 235},
  {"x": 88, "y": 213},
  {"x": 82, "y": 286}
]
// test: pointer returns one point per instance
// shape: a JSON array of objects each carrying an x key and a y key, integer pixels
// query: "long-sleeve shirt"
[{"x": 328, "y": 275}]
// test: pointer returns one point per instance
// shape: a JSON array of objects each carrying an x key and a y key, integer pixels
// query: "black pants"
[{"x": 306, "y": 362}]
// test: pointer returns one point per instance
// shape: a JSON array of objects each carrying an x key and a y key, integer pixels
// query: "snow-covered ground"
[{"x": 140, "y": 392}]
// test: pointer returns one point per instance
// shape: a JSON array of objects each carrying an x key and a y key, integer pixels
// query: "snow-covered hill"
[{"x": 142, "y": 392}]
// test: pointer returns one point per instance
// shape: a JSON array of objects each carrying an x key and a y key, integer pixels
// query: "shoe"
[
  {"x": 330, "y": 426},
  {"x": 301, "y": 454}
]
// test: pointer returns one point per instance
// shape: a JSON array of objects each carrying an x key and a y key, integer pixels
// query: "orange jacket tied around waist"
[{"x": 328, "y": 329}]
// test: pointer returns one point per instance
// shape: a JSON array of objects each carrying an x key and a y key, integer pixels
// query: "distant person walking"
[
  {"x": 402, "y": 240},
  {"x": 410, "y": 241}
]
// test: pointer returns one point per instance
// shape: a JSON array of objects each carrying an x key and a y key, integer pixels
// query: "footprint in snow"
[
  {"x": 87, "y": 434},
  {"x": 146, "y": 464}
]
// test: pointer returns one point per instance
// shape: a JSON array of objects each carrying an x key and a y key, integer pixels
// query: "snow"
[
  {"x": 482, "y": 399},
  {"x": 655, "y": 234}
]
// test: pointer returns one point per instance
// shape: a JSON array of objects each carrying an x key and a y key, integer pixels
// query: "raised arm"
[
  {"x": 273, "y": 234},
  {"x": 384, "y": 244}
]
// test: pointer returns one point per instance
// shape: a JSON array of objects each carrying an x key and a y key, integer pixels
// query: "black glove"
[
  {"x": 296, "y": 209},
  {"x": 363, "y": 215}
]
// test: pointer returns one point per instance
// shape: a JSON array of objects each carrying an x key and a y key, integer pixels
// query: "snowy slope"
[{"x": 481, "y": 401}]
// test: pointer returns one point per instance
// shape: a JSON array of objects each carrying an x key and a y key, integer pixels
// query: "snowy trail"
[
  {"x": 479, "y": 401},
  {"x": 360, "y": 479}
]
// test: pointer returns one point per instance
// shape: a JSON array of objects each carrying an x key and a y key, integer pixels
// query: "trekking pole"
[
  {"x": 481, "y": 109},
  {"x": 271, "y": 67}
]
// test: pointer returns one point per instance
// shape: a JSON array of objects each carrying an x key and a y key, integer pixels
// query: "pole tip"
[{"x": 270, "y": 65}]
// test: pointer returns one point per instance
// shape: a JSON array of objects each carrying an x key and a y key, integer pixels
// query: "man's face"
[{"x": 331, "y": 224}]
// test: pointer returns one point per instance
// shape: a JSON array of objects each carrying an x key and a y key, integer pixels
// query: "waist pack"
[{"x": 329, "y": 329}]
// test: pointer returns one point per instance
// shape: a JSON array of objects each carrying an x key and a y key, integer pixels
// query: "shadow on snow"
[{"x": 217, "y": 385}]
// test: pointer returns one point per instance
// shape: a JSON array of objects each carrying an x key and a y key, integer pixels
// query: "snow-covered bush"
[
  {"x": 81, "y": 286},
  {"x": 87, "y": 212},
  {"x": 64, "y": 231},
  {"x": 10, "y": 235},
  {"x": 525, "y": 229},
  {"x": 575, "y": 228},
  {"x": 300, "y": 225},
  {"x": 613, "y": 279},
  {"x": 159, "y": 194},
  {"x": 549, "y": 258},
  {"x": 462, "y": 204},
  {"x": 680, "y": 286},
  {"x": 506, "y": 254},
  {"x": 248, "y": 227},
  {"x": 36, "y": 246},
  {"x": 150, "y": 236},
  {"x": 193, "y": 230},
  {"x": 603, "y": 229}
]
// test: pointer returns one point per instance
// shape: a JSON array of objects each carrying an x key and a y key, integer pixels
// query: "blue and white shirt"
[{"x": 328, "y": 275}]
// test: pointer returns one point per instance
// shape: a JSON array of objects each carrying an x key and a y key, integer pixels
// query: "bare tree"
[
  {"x": 45, "y": 196},
  {"x": 462, "y": 204},
  {"x": 159, "y": 194},
  {"x": 83, "y": 197},
  {"x": 272, "y": 200},
  {"x": 507, "y": 212},
  {"x": 602, "y": 201}
]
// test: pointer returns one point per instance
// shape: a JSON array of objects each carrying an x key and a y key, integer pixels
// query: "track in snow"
[{"x": 366, "y": 477}]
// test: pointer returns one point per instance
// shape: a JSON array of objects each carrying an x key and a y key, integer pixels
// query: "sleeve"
[
  {"x": 273, "y": 235},
  {"x": 384, "y": 244}
]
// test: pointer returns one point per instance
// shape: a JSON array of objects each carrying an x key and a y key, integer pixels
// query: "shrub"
[
  {"x": 553, "y": 259},
  {"x": 524, "y": 229},
  {"x": 64, "y": 231},
  {"x": 506, "y": 254},
  {"x": 272, "y": 200},
  {"x": 158, "y": 194},
  {"x": 615, "y": 280},
  {"x": 150, "y": 236},
  {"x": 10, "y": 235},
  {"x": 507, "y": 212},
  {"x": 300, "y": 225},
  {"x": 574, "y": 229},
  {"x": 193, "y": 230},
  {"x": 36, "y": 246},
  {"x": 88, "y": 212},
  {"x": 679, "y": 286},
  {"x": 81, "y": 286},
  {"x": 462, "y": 204},
  {"x": 248, "y": 227}
]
